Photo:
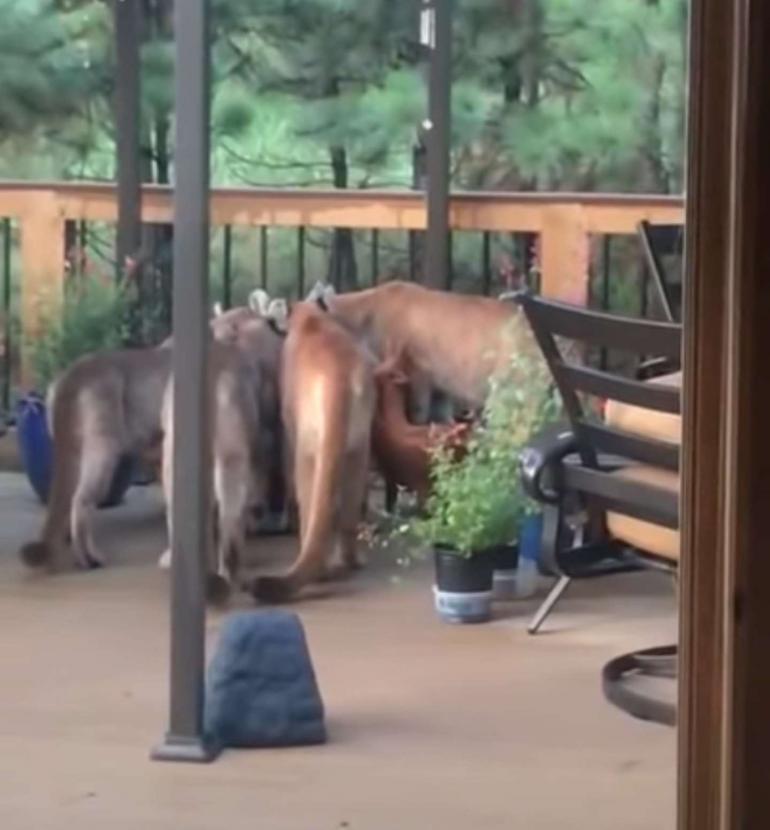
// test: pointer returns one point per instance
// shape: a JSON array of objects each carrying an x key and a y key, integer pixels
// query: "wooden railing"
[{"x": 564, "y": 222}]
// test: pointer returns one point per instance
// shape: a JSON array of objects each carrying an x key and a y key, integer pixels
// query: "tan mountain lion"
[
  {"x": 454, "y": 341},
  {"x": 328, "y": 400},
  {"x": 106, "y": 405}
]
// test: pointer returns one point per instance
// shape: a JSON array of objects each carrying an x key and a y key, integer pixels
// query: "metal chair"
[
  {"x": 614, "y": 480},
  {"x": 658, "y": 243}
]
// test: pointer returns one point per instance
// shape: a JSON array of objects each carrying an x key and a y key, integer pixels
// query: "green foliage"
[
  {"x": 157, "y": 61},
  {"x": 590, "y": 93},
  {"x": 343, "y": 75},
  {"x": 478, "y": 502},
  {"x": 93, "y": 317},
  {"x": 42, "y": 71},
  {"x": 547, "y": 94},
  {"x": 233, "y": 111}
]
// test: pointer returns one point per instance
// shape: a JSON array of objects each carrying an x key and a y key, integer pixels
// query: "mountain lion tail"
[
  {"x": 318, "y": 526},
  {"x": 66, "y": 459}
]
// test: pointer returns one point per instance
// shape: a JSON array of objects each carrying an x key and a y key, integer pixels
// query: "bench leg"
[{"x": 554, "y": 595}]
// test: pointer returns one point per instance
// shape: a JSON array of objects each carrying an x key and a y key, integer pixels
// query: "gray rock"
[{"x": 261, "y": 687}]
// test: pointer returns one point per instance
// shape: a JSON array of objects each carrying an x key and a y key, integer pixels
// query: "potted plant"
[
  {"x": 522, "y": 400},
  {"x": 92, "y": 317},
  {"x": 469, "y": 520},
  {"x": 477, "y": 510}
]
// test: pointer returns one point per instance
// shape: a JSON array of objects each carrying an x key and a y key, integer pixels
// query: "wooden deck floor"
[{"x": 431, "y": 726}]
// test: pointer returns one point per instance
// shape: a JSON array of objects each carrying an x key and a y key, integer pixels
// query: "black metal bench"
[{"x": 592, "y": 477}]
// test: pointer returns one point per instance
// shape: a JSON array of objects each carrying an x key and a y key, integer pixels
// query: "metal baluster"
[
  {"x": 301, "y": 262},
  {"x": 7, "y": 323},
  {"x": 605, "y": 297},
  {"x": 227, "y": 296},
  {"x": 263, "y": 256},
  {"x": 486, "y": 262},
  {"x": 450, "y": 262},
  {"x": 375, "y": 255}
]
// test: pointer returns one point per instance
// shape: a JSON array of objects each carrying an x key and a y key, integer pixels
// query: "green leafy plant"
[
  {"x": 94, "y": 316},
  {"x": 478, "y": 502}
]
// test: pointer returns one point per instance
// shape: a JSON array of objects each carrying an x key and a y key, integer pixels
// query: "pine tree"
[
  {"x": 547, "y": 94},
  {"x": 343, "y": 73},
  {"x": 42, "y": 73},
  {"x": 572, "y": 94}
]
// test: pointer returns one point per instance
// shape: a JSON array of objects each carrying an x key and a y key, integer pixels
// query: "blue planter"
[
  {"x": 36, "y": 451},
  {"x": 531, "y": 537},
  {"x": 530, "y": 543}
]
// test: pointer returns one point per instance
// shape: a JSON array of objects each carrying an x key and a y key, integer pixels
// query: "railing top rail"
[
  {"x": 564, "y": 223},
  {"x": 83, "y": 188},
  {"x": 564, "y": 215}
]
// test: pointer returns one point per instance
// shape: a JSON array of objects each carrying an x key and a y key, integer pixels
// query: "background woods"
[{"x": 580, "y": 95}]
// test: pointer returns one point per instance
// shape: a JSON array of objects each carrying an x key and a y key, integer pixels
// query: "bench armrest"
[{"x": 539, "y": 460}]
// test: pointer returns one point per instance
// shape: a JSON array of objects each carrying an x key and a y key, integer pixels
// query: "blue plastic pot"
[
  {"x": 530, "y": 544},
  {"x": 36, "y": 451},
  {"x": 531, "y": 537}
]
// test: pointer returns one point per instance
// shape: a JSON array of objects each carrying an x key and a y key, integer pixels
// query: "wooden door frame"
[{"x": 724, "y": 730}]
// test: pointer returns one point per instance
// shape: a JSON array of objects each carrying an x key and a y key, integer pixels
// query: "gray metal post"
[
  {"x": 191, "y": 506},
  {"x": 127, "y": 117},
  {"x": 437, "y": 35}
]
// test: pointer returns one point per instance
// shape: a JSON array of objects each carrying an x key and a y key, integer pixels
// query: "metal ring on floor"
[{"x": 617, "y": 683}]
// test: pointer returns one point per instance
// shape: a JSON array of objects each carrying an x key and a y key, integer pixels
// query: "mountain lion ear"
[
  {"x": 320, "y": 291},
  {"x": 217, "y": 309},
  {"x": 278, "y": 313},
  {"x": 277, "y": 317},
  {"x": 328, "y": 292},
  {"x": 259, "y": 300}
]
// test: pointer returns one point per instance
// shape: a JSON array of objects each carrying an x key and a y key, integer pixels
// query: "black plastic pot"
[
  {"x": 459, "y": 574},
  {"x": 463, "y": 589}
]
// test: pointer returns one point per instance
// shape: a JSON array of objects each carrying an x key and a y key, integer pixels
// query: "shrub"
[
  {"x": 93, "y": 317},
  {"x": 478, "y": 502}
]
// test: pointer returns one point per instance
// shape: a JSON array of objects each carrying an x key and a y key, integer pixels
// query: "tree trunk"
[
  {"x": 161, "y": 132},
  {"x": 157, "y": 240},
  {"x": 532, "y": 60},
  {"x": 658, "y": 176},
  {"x": 681, "y": 105},
  {"x": 343, "y": 270},
  {"x": 417, "y": 238},
  {"x": 164, "y": 235}
]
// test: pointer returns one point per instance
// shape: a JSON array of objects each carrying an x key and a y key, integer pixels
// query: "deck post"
[
  {"x": 191, "y": 504},
  {"x": 564, "y": 254},
  {"x": 436, "y": 36},
  {"x": 42, "y": 270},
  {"x": 127, "y": 121}
]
